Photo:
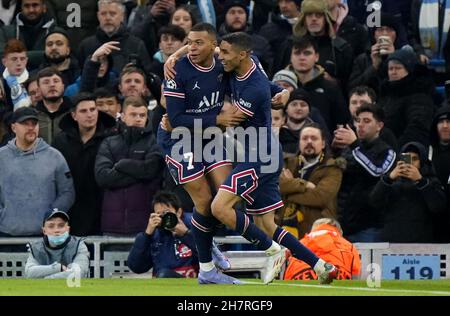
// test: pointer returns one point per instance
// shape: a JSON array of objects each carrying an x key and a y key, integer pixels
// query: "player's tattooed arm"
[{"x": 169, "y": 65}]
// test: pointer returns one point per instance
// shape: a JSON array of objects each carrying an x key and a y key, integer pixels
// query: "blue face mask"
[{"x": 57, "y": 240}]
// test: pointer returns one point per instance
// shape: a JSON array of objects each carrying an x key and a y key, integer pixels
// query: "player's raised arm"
[
  {"x": 280, "y": 99},
  {"x": 169, "y": 65}
]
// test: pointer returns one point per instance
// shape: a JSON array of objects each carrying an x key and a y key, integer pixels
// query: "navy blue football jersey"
[
  {"x": 195, "y": 93},
  {"x": 252, "y": 94}
]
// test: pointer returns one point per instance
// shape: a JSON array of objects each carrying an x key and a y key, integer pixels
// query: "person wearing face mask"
[{"x": 57, "y": 255}]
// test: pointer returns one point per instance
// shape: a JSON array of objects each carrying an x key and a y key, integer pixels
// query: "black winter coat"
[
  {"x": 407, "y": 206},
  {"x": 328, "y": 98},
  {"x": 364, "y": 74},
  {"x": 129, "y": 44},
  {"x": 355, "y": 34},
  {"x": 85, "y": 212},
  {"x": 366, "y": 163},
  {"x": 277, "y": 32},
  {"x": 335, "y": 56},
  {"x": 129, "y": 167},
  {"x": 90, "y": 80},
  {"x": 441, "y": 163},
  {"x": 70, "y": 75},
  {"x": 408, "y": 107}
]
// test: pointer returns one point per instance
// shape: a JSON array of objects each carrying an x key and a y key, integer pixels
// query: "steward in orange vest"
[{"x": 326, "y": 241}]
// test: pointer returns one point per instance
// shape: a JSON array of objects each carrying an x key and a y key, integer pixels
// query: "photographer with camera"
[
  {"x": 167, "y": 245},
  {"x": 409, "y": 196}
]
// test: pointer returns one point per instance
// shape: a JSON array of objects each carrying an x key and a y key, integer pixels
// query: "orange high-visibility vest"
[{"x": 327, "y": 243}]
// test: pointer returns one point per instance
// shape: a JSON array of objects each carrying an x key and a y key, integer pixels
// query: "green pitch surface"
[{"x": 186, "y": 287}]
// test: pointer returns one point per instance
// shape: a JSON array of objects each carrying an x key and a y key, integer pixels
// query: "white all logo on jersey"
[{"x": 205, "y": 101}]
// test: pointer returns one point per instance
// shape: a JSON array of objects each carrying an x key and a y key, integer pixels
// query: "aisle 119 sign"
[{"x": 411, "y": 267}]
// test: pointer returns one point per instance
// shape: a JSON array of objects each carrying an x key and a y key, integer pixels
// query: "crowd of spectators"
[{"x": 80, "y": 103}]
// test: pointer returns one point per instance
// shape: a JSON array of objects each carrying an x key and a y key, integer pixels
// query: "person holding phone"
[
  {"x": 409, "y": 196},
  {"x": 368, "y": 67}
]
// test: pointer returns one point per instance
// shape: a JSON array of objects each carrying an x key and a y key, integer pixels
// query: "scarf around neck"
[{"x": 20, "y": 79}]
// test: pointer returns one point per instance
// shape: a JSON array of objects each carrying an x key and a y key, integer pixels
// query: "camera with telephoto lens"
[{"x": 168, "y": 220}]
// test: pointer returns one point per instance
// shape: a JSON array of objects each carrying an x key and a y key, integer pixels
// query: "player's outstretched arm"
[{"x": 280, "y": 99}]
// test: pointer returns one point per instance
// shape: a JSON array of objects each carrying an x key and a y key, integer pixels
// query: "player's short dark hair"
[
  {"x": 48, "y": 72},
  {"x": 375, "y": 109},
  {"x": 304, "y": 42},
  {"x": 168, "y": 198},
  {"x": 102, "y": 92},
  {"x": 361, "y": 90},
  {"x": 80, "y": 97},
  {"x": 241, "y": 40},
  {"x": 174, "y": 30},
  {"x": 205, "y": 27},
  {"x": 316, "y": 126}
]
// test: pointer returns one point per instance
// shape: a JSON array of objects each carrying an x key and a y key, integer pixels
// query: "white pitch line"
[{"x": 355, "y": 288}]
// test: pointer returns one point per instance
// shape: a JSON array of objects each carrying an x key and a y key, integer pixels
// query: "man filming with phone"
[
  {"x": 167, "y": 245},
  {"x": 410, "y": 195},
  {"x": 407, "y": 167}
]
